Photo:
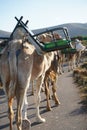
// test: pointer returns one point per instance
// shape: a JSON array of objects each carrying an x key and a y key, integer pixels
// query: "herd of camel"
[{"x": 20, "y": 65}]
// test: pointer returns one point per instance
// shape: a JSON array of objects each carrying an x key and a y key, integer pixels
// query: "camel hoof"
[
  {"x": 57, "y": 103},
  {"x": 40, "y": 120},
  {"x": 49, "y": 109},
  {"x": 26, "y": 124},
  {"x": 42, "y": 89}
]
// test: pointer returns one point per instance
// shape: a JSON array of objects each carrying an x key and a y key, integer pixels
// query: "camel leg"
[
  {"x": 62, "y": 63},
  {"x": 61, "y": 70},
  {"x": 38, "y": 98},
  {"x": 74, "y": 61},
  {"x": 68, "y": 66},
  {"x": 10, "y": 112},
  {"x": 47, "y": 92},
  {"x": 19, "y": 109},
  {"x": 78, "y": 58},
  {"x": 57, "y": 102},
  {"x": 72, "y": 65},
  {"x": 32, "y": 87},
  {"x": 25, "y": 106},
  {"x": 21, "y": 94}
]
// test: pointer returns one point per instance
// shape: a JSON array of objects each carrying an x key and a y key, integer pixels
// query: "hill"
[
  {"x": 4, "y": 33},
  {"x": 75, "y": 29}
]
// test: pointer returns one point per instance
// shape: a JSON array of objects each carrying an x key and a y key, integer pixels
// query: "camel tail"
[{"x": 13, "y": 71}]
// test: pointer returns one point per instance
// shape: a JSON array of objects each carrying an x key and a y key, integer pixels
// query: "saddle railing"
[
  {"x": 51, "y": 46},
  {"x": 69, "y": 51},
  {"x": 40, "y": 47}
]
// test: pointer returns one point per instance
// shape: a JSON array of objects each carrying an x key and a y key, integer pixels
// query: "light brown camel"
[
  {"x": 20, "y": 64},
  {"x": 51, "y": 73}
]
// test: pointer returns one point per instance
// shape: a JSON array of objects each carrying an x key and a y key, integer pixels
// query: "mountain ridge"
[
  {"x": 4, "y": 33},
  {"x": 75, "y": 29}
]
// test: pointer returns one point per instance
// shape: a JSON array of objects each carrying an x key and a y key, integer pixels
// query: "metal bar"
[
  {"x": 21, "y": 22},
  {"x": 49, "y": 30},
  {"x": 4, "y": 38},
  {"x": 39, "y": 47},
  {"x": 32, "y": 40},
  {"x": 19, "y": 19},
  {"x": 26, "y": 22},
  {"x": 16, "y": 25}
]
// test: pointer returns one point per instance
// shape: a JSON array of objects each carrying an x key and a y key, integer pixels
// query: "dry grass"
[{"x": 80, "y": 78}]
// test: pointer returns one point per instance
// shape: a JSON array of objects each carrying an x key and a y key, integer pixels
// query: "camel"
[
  {"x": 51, "y": 73},
  {"x": 50, "y": 78},
  {"x": 15, "y": 80},
  {"x": 20, "y": 64}
]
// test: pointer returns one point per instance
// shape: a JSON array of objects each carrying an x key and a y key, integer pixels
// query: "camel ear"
[{"x": 43, "y": 37}]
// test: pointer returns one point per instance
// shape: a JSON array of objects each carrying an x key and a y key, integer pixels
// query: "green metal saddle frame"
[
  {"x": 45, "y": 47},
  {"x": 69, "y": 51},
  {"x": 56, "y": 45}
]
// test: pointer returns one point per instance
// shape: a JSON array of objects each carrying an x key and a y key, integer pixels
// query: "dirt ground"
[{"x": 71, "y": 114}]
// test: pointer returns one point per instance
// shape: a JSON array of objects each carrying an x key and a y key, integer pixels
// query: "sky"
[{"x": 42, "y": 13}]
